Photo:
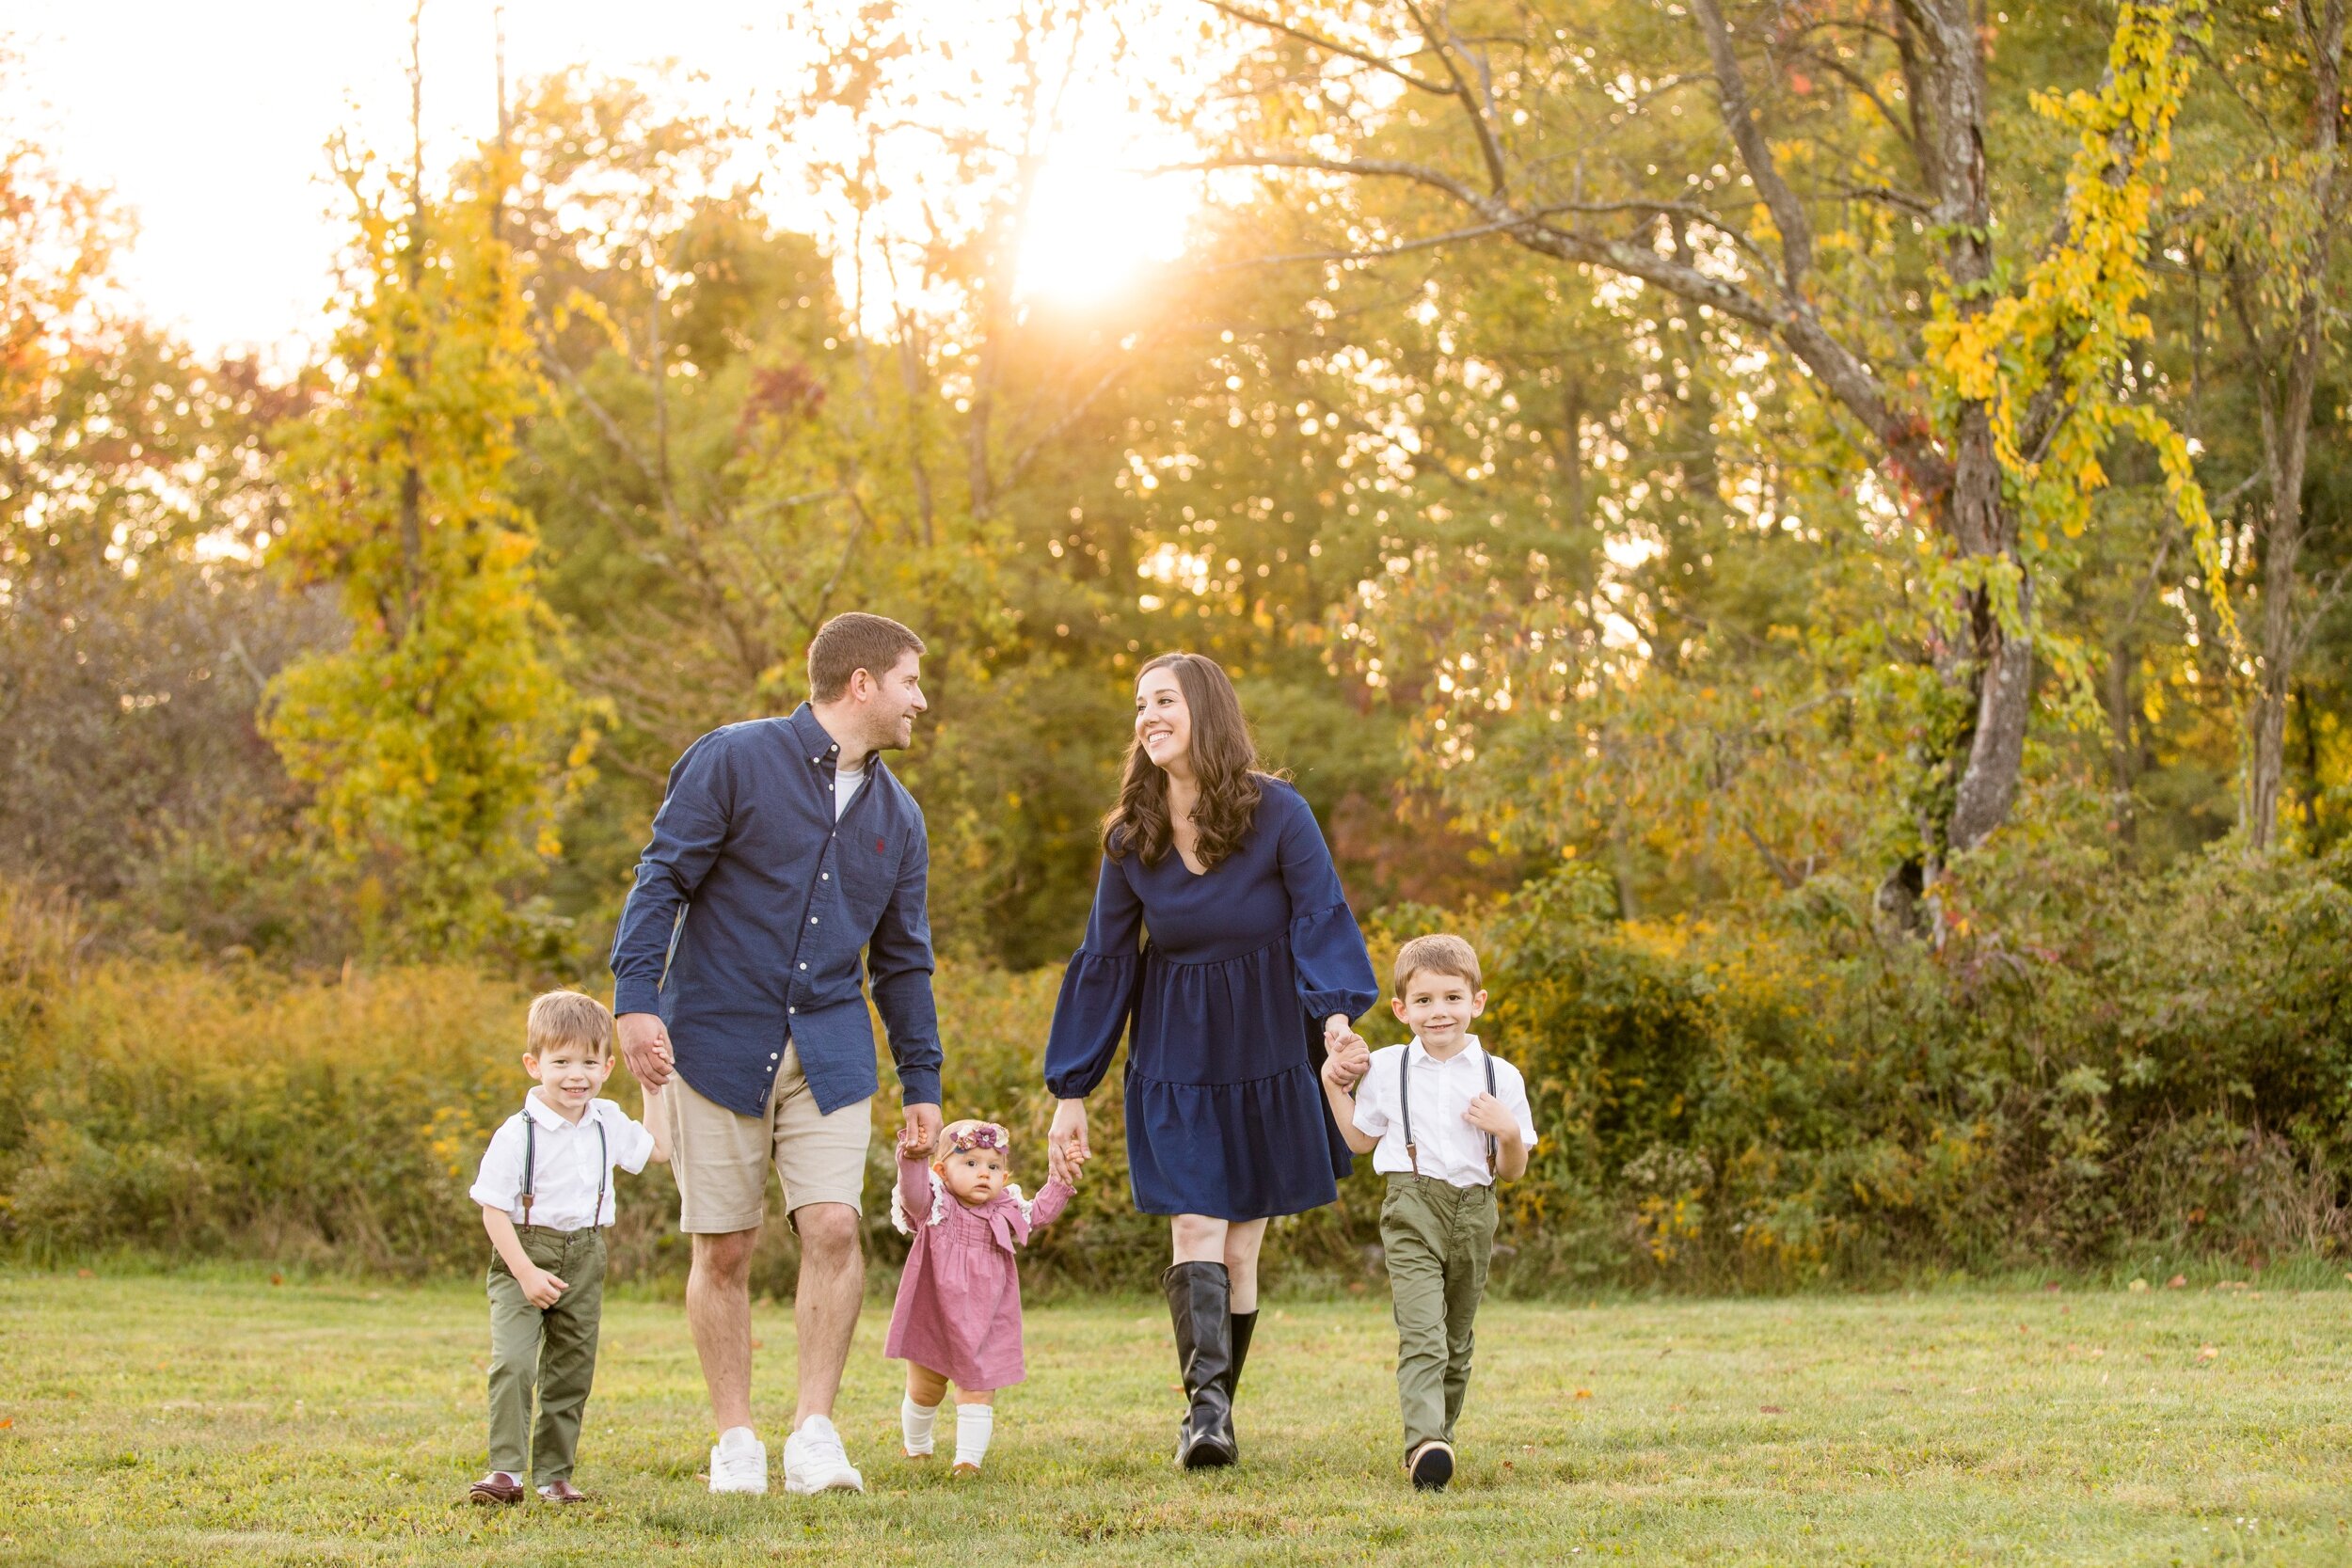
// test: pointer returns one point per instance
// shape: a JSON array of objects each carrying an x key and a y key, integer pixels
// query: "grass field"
[{"x": 227, "y": 1420}]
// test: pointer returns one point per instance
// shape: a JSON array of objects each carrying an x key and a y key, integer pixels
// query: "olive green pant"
[
  {"x": 551, "y": 1351},
  {"x": 1440, "y": 1239}
]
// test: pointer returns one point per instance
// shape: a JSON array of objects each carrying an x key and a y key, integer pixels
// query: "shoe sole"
[
  {"x": 801, "y": 1489},
  {"x": 1432, "y": 1470}
]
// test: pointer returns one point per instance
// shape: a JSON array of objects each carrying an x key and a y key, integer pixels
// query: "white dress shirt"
[
  {"x": 565, "y": 1171},
  {"x": 1451, "y": 1150}
]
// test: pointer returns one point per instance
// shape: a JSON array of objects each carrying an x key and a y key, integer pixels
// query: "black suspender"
[
  {"x": 604, "y": 1164},
  {"x": 1405, "y": 1108}
]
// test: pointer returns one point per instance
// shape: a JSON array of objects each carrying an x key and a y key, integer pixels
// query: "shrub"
[{"x": 2086, "y": 1069}]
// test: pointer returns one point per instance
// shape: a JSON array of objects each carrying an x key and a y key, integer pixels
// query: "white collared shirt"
[
  {"x": 565, "y": 1172},
  {"x": 1449, "y": 1148}
]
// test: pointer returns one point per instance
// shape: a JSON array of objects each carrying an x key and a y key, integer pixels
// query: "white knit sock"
[
  {"x": 914, "y": 1424},
  {"x": 973, "y": 1422}
]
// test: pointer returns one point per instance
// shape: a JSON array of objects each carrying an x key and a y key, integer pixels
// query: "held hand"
[
  {"x": 1489, "y": 1115},
  {"x": 1066, "y": 1147},
  {"x": 920, "y": 1134},
  {"x": 541, "y": 1289},
  {"x": 645, "y": 1046},
  {"x": 1350, "y": 1059}
]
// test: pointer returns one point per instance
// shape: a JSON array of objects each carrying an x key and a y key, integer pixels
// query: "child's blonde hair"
[
  {"x": 567, "y": 1017},
  {"x": 965, "y": 1128},
  {"x": 1440, "y": 954}
]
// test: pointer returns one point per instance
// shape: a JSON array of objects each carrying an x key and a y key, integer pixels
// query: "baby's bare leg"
[
  {"x": 926, "y": 1387},
  {"x": 986, "y": 1396}
]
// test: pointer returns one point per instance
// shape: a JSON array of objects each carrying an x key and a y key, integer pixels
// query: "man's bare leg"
[
  {"x": 824, "y": 1309},
  {"x": 719, "y": 1314}
]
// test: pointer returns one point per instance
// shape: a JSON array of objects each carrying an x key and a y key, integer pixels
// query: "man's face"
[{"x": 887, "y": 706}]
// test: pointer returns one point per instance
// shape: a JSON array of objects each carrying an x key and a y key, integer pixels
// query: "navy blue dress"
[{"x": 1225, "y": 1114}]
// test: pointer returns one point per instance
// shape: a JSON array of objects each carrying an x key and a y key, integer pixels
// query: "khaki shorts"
[{"x": 721, "y": 1159}]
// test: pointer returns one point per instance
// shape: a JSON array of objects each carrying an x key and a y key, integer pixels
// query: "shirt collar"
[
  {"x": 539, "y": 1111},
  {"x": 1418, "y": 1054},
  {"x": 818, "y": 744}
]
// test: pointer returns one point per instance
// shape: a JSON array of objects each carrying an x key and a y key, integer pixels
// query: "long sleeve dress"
[
  {"x": 958, "y": 1306},
  {"x": 1225, "y": 1115}
]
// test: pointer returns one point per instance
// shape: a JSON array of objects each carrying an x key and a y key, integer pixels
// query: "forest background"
[{"x": 1815, "y": 532}]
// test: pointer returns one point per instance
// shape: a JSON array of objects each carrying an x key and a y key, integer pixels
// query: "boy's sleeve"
[
  {"x": 501, "y": 1176},
  {"x": 632, "y": 1140},
  {"x": 1371, "y": 1104},
  {"x": 1514, "y": 1100}
]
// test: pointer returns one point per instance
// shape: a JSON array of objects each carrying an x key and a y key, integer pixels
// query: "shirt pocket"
[{"x": 866, "y": 859}]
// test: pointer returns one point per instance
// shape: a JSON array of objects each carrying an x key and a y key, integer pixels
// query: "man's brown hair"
[
  {"x": 855, "y": 642},
  {"x": 567, "y": 1017},
  {"x": 1442, "y": 954}
]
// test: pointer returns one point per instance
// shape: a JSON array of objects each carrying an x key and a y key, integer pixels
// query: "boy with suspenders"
[
  {"x": 1442, "y": 1120},
  {"x": 545, "y": 1189}
]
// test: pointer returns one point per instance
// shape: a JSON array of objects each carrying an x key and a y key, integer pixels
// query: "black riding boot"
[
  {"x": 1244, "y": 1324},
  {"x": 1200, "y": 1304}
]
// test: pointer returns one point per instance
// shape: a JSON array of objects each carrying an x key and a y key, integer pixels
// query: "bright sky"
[{"x": 209, "y": 120}]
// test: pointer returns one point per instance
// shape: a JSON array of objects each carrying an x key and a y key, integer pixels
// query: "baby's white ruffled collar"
[{"x": 904, "y": 1225}]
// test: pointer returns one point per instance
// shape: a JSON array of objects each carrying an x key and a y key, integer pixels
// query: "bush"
[{"x": 2088, "y": 1071}]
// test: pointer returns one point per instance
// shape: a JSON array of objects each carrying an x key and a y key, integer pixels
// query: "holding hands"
[{"x": 1346, "y": 1057}]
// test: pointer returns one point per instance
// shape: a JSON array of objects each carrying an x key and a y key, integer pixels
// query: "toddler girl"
[{"x": 958, "y": 1318}]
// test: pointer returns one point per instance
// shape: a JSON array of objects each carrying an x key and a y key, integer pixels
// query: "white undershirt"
[{"x": 845, "y": 786}]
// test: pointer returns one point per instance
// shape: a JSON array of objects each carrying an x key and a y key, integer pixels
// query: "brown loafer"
[
  {"x": 563, "y": 1491},
  {"x": 495, "y": 1488}
]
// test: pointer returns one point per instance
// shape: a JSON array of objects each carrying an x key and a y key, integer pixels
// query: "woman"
[{"x": 1252, "y": 966}]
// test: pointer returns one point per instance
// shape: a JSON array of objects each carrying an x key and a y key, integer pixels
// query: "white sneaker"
[
  {"x": 814, "y": 1460},
  {"x": 738, "y": 1462}
]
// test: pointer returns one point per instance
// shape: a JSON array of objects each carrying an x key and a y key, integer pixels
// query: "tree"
[
  {"x": 441, "y": 741},
  {"x": 2272, "y": 238},
  {"x": 1837, "y": 210}
]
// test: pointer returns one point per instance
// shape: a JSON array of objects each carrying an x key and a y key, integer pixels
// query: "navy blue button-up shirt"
[{"x": 751, "y": 907}]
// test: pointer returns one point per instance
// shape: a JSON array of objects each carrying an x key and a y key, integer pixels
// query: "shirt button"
[
  {"x": 792, "y": 1009},
  {"x": 804, "y": 966},
  {"x": 811, "y": 920},
  {"x": 771, "y": 1056},
  {"x": 824, "y": 876}
]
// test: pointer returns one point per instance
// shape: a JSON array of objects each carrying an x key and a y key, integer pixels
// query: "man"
[{"x": 783, "y": 848}]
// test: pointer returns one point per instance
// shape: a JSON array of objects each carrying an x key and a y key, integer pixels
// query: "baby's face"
[{"x": 974, "y": 1176}]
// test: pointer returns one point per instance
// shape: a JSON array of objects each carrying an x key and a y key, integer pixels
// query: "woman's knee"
[
  {"x": 1198, "y": 1238},
  {"x": 1242, "y": 1244}
]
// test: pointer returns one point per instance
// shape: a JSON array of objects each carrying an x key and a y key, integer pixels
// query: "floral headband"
[{"x": 985, "y": 1135}]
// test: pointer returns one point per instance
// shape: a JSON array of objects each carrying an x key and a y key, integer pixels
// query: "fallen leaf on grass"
[
  {"x": 1770, "y": 1410},
  {"x": 2138, "y": 1285},
  {"x": 1584, "y": 1393},
  {"x": 2206, "y": 1353},
  {"x": 2178, "y": 1282}
]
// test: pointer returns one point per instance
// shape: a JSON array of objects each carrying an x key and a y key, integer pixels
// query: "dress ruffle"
[{"x": 1236, "y": 1146}]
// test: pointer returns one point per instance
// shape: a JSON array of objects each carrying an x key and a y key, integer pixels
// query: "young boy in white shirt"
[
  {"x": 545, "y": 1191},
  {"x": 1441, "y": 1119}
]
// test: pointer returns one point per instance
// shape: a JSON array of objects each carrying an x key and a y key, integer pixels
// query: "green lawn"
[{"x": 149, "y": 1420}]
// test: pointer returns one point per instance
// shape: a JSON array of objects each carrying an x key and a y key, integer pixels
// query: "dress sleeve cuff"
[{"x": 1334, "y": 971}]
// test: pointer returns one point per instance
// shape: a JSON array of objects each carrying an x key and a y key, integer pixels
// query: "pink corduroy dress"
[{"x": 958, "y": 1309}]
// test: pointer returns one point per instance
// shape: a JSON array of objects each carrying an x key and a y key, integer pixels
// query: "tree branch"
[{"x": 1796, "y": 230}]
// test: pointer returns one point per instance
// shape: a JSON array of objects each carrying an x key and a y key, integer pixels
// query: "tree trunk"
[{"x": 2285, "y": 398}]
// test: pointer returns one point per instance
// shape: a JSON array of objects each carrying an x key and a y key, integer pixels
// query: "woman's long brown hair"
[{"x": 1224, "y": 763}]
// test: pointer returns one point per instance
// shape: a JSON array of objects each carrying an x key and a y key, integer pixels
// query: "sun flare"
[{"x": 1093, "y": 230}]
